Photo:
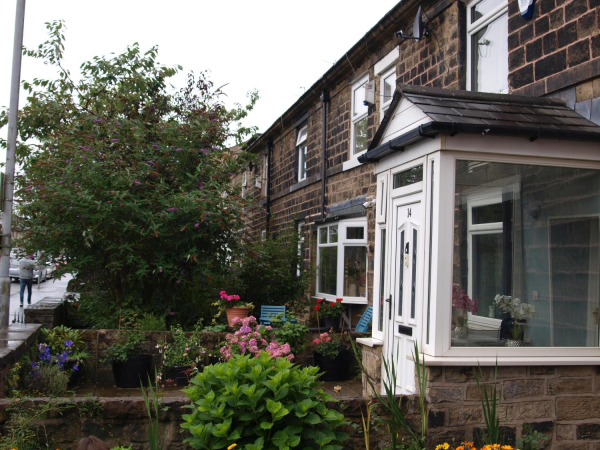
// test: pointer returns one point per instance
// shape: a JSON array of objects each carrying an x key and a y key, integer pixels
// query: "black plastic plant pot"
[
  {"x": 335, "y": 369},
  {"x": 130, "y": 373}
]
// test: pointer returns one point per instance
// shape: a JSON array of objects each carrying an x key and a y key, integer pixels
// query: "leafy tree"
[
  {"x": 130, "y": 182},
  {"x": 272, "y": 272}
]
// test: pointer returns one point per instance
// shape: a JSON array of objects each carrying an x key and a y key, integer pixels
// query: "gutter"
[
  {"x": 324, "y": 102},
  {"x": 268, "y": 205},
  {"x": 432, "y": 129}
]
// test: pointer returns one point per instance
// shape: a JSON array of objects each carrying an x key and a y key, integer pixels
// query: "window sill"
[
  {"x": 370, "y": 342},
  {"x": 347, "y": 300},
  {"x": 509, "y": 360},
  {"x": 352, "y": 163}
]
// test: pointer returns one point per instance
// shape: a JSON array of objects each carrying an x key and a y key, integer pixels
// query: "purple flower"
[
  {"x": 114, "y": 140},
  {"x": 75, "y": 367},
  {"x": 178, "y": 281},
  {"x": 152, "y": 163},
  {"x": 84, "y": 157},
  {"x": 179, "y": 149},
  {"x": 97, "y": 121},
  {"x": 204, "y": 150},
  {"x": 201, "y": 185},
  {"x": 118, "y": 124},
  {"x": 60, "y": 182},
  {"x": 136, "y": 181},
  {"x": 196, "y": 225},
  {"x": 172, "y": 209},
  {"x": 68, "y": 161},
  {"x": 68, "y": 343},
  {"x": 154, "y": 145}
]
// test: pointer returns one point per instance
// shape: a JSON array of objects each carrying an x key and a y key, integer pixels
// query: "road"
[{"x": 50, "y": 288}]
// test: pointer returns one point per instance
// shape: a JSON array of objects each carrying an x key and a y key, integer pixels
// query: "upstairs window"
[
  {"x": 264, "y": 174},
  {"x": 487, "y": 46},
  {"x": 386, "y": 90},
  {"x": 302, "y": 151},
  {"x": 360, "y": 112}
]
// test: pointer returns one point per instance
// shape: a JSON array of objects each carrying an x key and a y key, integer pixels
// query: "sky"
[{"x": 279, "y": 48}]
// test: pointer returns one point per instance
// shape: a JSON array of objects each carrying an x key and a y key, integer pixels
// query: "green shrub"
[
  {"x": 127, "y": 345},
  {"x": 150, "y": 322},
  {"x": 293, "y": 334},
  {"x": 47, "y": 381},
  {"x": 261, "y": 404}
]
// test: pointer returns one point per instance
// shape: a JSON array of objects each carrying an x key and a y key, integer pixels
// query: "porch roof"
[{"x": 455, "y": 111}]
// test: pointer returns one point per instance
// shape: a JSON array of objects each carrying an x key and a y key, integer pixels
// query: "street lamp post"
[{"x": 10, "y": 164}]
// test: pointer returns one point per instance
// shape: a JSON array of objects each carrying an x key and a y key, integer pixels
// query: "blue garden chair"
[
  {"x": 365, "y": 320},
  {"x": 268, "y": 311}
]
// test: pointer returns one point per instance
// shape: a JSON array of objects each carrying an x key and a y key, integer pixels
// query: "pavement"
[{"x": 52, "y": 287}]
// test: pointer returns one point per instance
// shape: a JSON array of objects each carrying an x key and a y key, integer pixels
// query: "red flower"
[
  {"x": 339, "y": 300},
  {"x": 319, "y": 300},
  {"x": 332, "y": 304},
  {"x": 317, "y": 308}
]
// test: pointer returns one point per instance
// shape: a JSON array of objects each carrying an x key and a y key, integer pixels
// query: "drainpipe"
[
  {"x": 268, "y": 204},
  {"x": 324, "y": 102}
]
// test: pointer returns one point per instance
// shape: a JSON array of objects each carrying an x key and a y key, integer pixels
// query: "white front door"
[{"x": 405, "y": 274}]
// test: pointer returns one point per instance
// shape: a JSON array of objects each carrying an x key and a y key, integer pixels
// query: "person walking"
[{"x": 26, "y": 266}]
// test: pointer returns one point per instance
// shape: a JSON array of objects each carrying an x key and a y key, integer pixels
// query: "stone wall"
[
  {"x": 561, "y": 402},
  {"x": 557, "y": 49}
]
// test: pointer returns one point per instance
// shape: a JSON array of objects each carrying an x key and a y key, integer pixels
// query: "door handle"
[{"x": 389, "y": 300}]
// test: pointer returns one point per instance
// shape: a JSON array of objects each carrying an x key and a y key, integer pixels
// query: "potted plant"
[
  {"x": 461, "y": 306},
  {"x": 67, "y": 344},
  {"x": 184, "y": 354},
  {"x": 234, "y": 307},
  {"x": 330, "y": 312},
  {"x": 513, "y": 328},
  {"x": 331, "y": 354},
  {"x": 130, "y": 367}
]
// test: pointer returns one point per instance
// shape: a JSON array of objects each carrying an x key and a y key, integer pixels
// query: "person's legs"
[
  {"x": 29, "y": 286},
  {"x": 22, "y": 290}
]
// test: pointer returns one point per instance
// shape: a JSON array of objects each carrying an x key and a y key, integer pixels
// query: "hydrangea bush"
[
  {"x": 261, "y": 404},
  {"x": 252, "y": 338}
]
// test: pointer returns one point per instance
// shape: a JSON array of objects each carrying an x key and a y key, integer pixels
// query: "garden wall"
[
  {"x": 561, "y": 402},
  {"x": 124, "y": 421}
]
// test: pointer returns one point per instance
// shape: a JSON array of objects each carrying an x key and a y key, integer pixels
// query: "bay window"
[
  {"x": 342, "y": 261},
  {"x": 526, "y": 263}
]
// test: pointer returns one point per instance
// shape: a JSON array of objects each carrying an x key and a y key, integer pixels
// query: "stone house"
[{"x": 440, "y": 179}]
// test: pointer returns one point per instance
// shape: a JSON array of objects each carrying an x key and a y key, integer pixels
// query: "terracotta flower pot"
[{"x": 236, "y": 311}]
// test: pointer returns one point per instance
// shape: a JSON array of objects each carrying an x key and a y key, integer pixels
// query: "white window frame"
[
  {"x": 440, "y": 350},
  {"x": 341, "y": 244},
  {"x": 301, "y": 240},
  {"x": 302, "y": 151},
  {"x": 384, "y": 100},
  {"x": 359, "y": 84},
  {"x": 484, "y": 198},
  {"x": 473, "y": 28},
  {"x": 244, "y": 183},
  {"x": 264, "y": 174}
]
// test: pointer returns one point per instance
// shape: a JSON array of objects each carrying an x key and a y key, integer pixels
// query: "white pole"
[{"x": 10, "y": 164}]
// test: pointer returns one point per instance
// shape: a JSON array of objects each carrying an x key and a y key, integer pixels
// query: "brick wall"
[
  {"x": 561, "y": 402},
  {"x": 558, "y": 47}
]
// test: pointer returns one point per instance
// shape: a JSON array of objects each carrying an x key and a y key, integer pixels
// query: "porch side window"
[
  {"x": 360, "y": 113},
  {"x": 526, "y": 265},
  {"x": 342, "y": 256},
  {"x": 487, "y": 45}
]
